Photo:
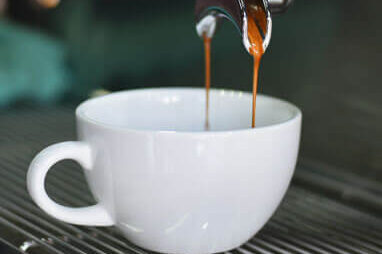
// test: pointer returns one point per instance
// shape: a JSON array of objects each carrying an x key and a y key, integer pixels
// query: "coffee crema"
[{"x": 256, "y": 17}]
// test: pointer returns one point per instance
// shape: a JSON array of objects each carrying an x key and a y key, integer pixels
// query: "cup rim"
[{"x": 80, "y": 112}]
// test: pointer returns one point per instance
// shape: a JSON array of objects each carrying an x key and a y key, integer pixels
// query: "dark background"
[{"x": 324, "y": 56}]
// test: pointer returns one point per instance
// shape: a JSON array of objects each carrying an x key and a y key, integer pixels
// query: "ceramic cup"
[{"x": 166, "y": 183}]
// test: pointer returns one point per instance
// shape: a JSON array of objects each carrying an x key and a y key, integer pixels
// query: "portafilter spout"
[{"x": 210, "y": 12}]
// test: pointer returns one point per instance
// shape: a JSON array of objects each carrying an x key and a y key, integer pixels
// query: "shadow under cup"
[{"x": 184, "y": 110}]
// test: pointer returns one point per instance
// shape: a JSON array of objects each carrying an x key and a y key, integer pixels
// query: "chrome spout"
[{"x": 210, "y": 12}]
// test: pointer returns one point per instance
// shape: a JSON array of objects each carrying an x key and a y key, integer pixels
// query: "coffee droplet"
[{"x": 48, "y": 3}]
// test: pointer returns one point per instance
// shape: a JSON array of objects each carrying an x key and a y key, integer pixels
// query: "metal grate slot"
[{"x": 310, "y": 220}]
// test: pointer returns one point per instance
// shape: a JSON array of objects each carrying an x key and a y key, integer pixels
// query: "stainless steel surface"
[
  {"x": 209, "y": 12},
  {"x": 323, "y": 212}
]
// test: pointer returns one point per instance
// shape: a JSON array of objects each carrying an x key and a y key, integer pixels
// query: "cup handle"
[{"x": 95, "y": 215}]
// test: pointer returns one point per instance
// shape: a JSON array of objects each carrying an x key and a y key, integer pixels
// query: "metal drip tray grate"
[{"x": 310, "y": 220}]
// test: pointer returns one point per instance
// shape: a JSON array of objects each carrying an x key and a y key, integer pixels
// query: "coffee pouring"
[{"x": 253, "y": 20}]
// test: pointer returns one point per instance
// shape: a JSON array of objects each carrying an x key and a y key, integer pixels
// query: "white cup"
[{"x": 164, "y": 182}]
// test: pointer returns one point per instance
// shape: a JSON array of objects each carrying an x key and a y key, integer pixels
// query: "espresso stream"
[
  {"x": 255, "y": 15},
  {"x": 207, "y": 52}
]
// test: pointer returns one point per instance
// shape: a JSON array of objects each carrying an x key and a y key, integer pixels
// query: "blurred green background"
[{"x": 324, "y": 56}]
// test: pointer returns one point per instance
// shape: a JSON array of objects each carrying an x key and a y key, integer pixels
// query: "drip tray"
[{"x": 322, "y": 212}]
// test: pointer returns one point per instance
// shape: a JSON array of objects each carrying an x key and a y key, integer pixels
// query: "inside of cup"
[{"x": 184, "y": 109}]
